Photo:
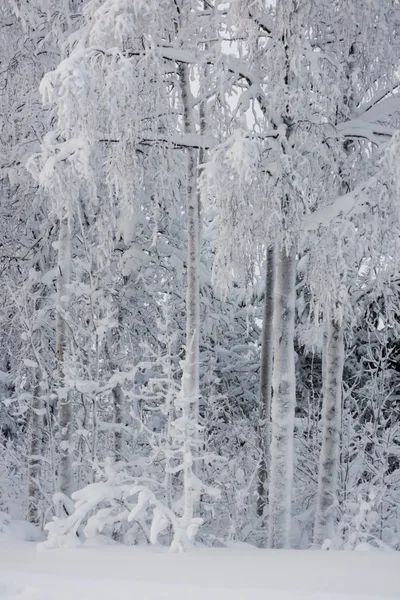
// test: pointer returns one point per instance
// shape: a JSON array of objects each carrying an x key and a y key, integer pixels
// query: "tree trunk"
[
  {"x": 192, "y": 292},
  {"x": 331, "y": 419},
  {"x": 118, "y": 401},
  {"x": 65, "y": 477},
  {"x": 112, "y": 347},
  {"x": 189, "y": 400},
  {"x": 35, "y": 452},
  {"x": 266, "y": 384},
  {"x": 283, "y": 401}
]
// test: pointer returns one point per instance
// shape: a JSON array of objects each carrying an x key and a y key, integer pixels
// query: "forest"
[{"x": 200, "y": 291}]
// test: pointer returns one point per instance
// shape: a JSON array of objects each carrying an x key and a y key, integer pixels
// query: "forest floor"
[{"x": 237, "y": 573}]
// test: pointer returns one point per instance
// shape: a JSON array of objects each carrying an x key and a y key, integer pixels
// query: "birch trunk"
[
  {"x": 331, "y": 420},
  {"x": 190, "y": 377},
  {"x": 192, "y": 291},
  {"x": 65, "y": 477},
  {"x": 283, "y": 401},
  {"x": 35, "y": 452},
  {"x": 266, "y": 384}
]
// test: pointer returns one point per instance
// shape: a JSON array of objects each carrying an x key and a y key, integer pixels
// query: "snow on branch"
[{"x": 344, "y": 206}]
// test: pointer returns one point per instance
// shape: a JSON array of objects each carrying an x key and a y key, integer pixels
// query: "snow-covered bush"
[
  {"x": 104, "y": 507},
  {"x": 360, "y": 525}
]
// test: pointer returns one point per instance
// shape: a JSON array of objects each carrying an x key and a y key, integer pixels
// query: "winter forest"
[{"x": 200, "y": 290}]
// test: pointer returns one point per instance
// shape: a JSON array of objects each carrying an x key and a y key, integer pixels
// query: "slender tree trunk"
[
  {"x": 189, "y": 400},
  {"x": 35, "y": 455},
  {"x": 283, "y": 401},
  {"x": 112, "y": 347},
  {"x": 266, "y": 384},
  {"x": 331, "y": 420},
  {"x": 118, "y": 402},
  {"x": 95, "y": 424},
  {"x": 191, "y": 379},
  {"x": 190, "y": 376},
  {"x": 65, "y": 477}
]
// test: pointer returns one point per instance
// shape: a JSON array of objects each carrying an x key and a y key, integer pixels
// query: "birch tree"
[
  {"x": 331, "y": 417},
  {"x": 266, "y": 382}
]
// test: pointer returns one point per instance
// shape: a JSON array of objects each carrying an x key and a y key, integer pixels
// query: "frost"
[{"x": 32, "y": 364}]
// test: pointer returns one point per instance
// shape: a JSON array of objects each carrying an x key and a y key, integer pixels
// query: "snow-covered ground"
[{"x": 238, "y": 573}]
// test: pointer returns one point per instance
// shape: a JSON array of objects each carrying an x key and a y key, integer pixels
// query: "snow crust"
[{"x": 236, "y": 573}]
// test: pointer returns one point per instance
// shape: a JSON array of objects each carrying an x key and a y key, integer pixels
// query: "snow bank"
[
  {"x": 15, "y": 530},
  {"x": 204, "y": 574}
]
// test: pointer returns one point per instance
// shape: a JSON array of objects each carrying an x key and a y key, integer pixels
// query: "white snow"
[
  {"x": 237, "y": 573},
  {"x": 12, "y": 530}
]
